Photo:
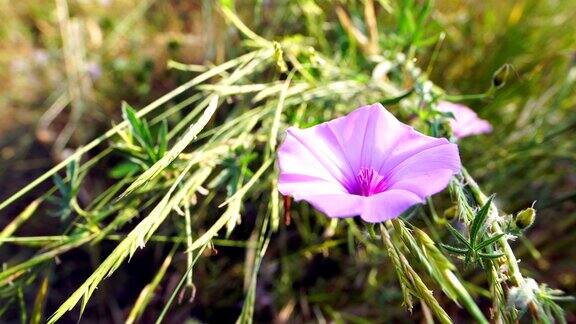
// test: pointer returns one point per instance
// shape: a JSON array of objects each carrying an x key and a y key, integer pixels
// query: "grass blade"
[
  {"x": 148, "y": 292},
  {"x": 19, "y": 220},
  {"x": 144, "y": 111},
  {"x": 178, "y": 148},
  {"x": 36, "y": 316}
]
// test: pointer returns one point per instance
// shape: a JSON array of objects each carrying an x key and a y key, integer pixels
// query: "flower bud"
[
  {"x": 500, "y": 76},
  {"x": 278, "y": 56},
  {"x": 525, "y": 218}
]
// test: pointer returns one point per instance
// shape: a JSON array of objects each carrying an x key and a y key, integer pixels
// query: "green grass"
[{"x": 168, "y": 209}]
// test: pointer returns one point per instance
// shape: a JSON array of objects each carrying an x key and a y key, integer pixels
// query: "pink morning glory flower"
[
  {"x": 465, "y": 122},
  {"x": 366, "y": 163}
]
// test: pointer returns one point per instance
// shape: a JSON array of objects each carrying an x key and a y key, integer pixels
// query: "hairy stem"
[{"x": 511, "y": 261}]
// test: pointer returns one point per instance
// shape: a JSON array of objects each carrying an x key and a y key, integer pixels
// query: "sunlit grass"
[{"x": 192, "y": 177}]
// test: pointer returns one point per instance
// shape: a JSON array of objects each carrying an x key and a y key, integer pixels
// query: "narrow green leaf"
[
  {"x": 494, "y": 255},
  {"x": 479, "y": 220},
  {"x": 137, "y": 238},
  {"x": 71, "y": 171},
  {"x": 147, "y": 293},
  {"x": 36, "y": 316},
  {"x": 146, "y": 110},
  {"x": 395, "y": 100},
  {"x": 489, "y": 241},
  {"x": 62, "y": 187},
  {"x": 22, "y": 303},
  {"x": 19, "y": 220},
  {"x": 278, "y": 113},
  {"x": 146, "y": 134},
  {"x": 140, "y": 129},
  {"x": 453, "y": 249},
  {"x": 162, "y": 139},
  {"x": 459, "y": 236},
  {"x": 130, "y": 116},
  {"x": 178, "y": 148},
  {"x": 180, "y": 284},
  {"x": 123, "y": 169}
]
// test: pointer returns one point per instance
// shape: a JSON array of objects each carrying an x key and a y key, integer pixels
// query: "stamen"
[{"x": 368, "y": 182}]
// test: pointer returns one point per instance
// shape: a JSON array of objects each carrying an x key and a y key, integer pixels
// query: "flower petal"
[
  {"x": 409, "y": 143},
  {"x": 388, "y": 205},
  {"x": 476, "y": 127},
  {"x": 326, "y": 164},
  {"x": 377, "y": 208},
  {"x": 427, "y": 172},
  {"x": 466, "y": 122},
  {"x": 312, "y": 155},
  {"x": 301, "y": 185},
  {"x": 336, "y": 205},
  {"x": 367, "y": 135}
]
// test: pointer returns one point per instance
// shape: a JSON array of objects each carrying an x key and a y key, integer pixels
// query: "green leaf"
[
  {"x": 454, "y": 249},
  {"x": 175, "y": 151},
  {"x": 73, "y": 177},
  {"x": 146, "y": 134},
  {"x": 420, "y": 21},
  {"x": 123, "y": 169},
  {"x": 479, "y": 220},
  {"x": 140, "y": 130},
  {"x": 37, "y": 312},
  {"x": 489, "y": 241},
  {"x": 71, "y": 171},
  {"x": 459, "y": 236},
  {"x": 395, "y": 100},
  {"x": 62, "y": 187},
  {"x": 494, "y": 255},
  {"x": 162, "y": 139},
  {"x": 130, "y": 116}
]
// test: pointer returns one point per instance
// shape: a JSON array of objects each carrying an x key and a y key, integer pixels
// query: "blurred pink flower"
[
  {"x": 465, "y": 122},
  {"x": 366, "y": 163}
]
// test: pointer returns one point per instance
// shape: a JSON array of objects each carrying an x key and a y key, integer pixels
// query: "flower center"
[{"x": 368, "y": 182}]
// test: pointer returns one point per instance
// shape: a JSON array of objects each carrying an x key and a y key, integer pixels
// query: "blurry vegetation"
[{"x": 162, "y": 119}]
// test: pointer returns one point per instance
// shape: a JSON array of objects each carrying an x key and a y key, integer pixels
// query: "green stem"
[
  {"x": 513, "y": 269},
  {"x": 416, "y": 284},
  {"x": 87, "y": 215},
  {"x": 428, "y": 255},
  {"x": 433, "y": 212},
  {"x": 189, "y": 241},
  {"x": 478, "y": 96},
  {"x": 464, "y": 296}
]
